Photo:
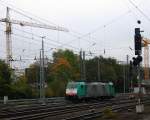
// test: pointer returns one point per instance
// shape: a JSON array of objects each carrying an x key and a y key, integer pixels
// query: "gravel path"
[{"x": 131, "y": 115}]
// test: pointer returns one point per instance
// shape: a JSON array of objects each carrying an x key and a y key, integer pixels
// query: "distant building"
[
  {"x": 17, "y": 73},
  {"x": 46, "y": 60}
]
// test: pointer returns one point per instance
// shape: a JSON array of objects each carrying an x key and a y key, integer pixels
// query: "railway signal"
[
  {"x": 137, "y": 60},
  {"x": 136, "y": 63},
  {"x": 137, "y": 41}
]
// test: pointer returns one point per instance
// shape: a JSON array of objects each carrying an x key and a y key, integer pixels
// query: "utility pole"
[
  {"x": 37, "y": 81},
  {"x": 81, "y": 67},
  {"x": 127, "y": 74},
  {"x": 98, "y": 68},
  {"x": 40, "y": 76},
  {"x": 42, "y": 72},
  {"x": 131, "y": 76},
  {"x": 124, "y": 79},
  {"x": 84, "y": 67}
]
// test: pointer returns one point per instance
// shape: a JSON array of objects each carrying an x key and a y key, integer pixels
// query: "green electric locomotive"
[{"x": 85, "y": 90}]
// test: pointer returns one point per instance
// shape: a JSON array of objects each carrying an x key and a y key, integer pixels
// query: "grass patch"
[{"x": 109, "y": 114}]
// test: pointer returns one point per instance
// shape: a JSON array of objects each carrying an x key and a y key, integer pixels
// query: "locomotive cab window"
[{"x": 72, "y": 85}]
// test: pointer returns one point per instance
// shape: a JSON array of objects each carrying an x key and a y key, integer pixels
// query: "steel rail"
[
  {"x": 60, "y": 112},
  {"x": 66, "y": 112},
  {"x": 99, "y": 112}
]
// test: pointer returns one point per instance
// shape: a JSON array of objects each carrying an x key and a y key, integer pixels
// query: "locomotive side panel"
[
  {"x": 89, "y": 92},
  {"x": 100, "y": 90},
  {"x": 94, "y": 90}
]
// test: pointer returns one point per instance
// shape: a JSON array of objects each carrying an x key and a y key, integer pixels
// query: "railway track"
[
  {"x": 66, "y": 112},
  {"x": 27, "y": 103},
  {"x": 31, "y": 101},
  {"x": 88, "y": 111},
  {"x": 96, "y": 113},
  {"x": 54, "y": 100},
  {"x": 45, "y": 111}
]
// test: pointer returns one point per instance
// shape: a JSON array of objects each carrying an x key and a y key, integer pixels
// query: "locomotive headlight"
[
  {"x": 67, "y": 91},
  {"x": 72, "y": 91}
]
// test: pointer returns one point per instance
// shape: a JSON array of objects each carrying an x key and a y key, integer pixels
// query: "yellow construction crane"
[
  {"x": 9, "y": 22},
  {"x": 146, "y": 42}
]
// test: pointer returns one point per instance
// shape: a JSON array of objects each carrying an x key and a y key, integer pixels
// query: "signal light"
[
  {"x": 137, "y": 60},
  {"x": 137, "y": 41}
]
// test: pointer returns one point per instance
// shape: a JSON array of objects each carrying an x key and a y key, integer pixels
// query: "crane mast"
[
  {"x": 9, "y": 22},
  {"x": 8, "y": 40},
  {"x": 146, "y": 58}
]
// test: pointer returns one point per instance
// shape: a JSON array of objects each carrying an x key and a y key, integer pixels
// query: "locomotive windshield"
[{"x": 72, "y": 85}]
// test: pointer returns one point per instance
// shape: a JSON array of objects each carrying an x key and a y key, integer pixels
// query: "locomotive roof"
[
  {"x": 85, "y": 82},
  {"x": 94, "y": 82}
]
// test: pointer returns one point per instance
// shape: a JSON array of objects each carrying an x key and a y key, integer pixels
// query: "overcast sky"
[{"x": 94, "y": 25}]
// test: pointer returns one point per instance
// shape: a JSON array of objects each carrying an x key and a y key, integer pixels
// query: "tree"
[
  {"x": 5, "y": 79},
  {"x": 65, "y": 67},
  {"x": 71, "y": 58},
  {"x": 21, "y": 89},
  {"x": 110, "y": 70},
  {"x": 32, "y": 73},
  {"x": 107, "y": 69}
]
